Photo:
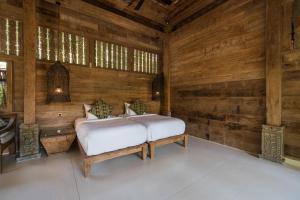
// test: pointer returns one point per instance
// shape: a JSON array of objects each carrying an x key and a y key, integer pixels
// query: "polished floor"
[{"x": 204, "y": 171}]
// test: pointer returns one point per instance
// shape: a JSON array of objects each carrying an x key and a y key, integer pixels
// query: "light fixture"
[
  {"x": 58, "y": 77},
  {"x": 158, "y": 87},
  {"x": 58, "y": 90},
  {"x": 58, "y": 83}
]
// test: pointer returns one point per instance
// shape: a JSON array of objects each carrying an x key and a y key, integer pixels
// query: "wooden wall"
[
  {"x": 216, "y": 63},
  {"x": 296, "y": 20},
  {"x": 291, "y": 103},
  {"x": 218, "y": 74},
  {"x": 291, "y": 91},
  {"x": 87, "y": 83}
]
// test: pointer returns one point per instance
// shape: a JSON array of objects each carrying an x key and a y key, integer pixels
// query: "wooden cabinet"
[{"x": 56, "y": 140}]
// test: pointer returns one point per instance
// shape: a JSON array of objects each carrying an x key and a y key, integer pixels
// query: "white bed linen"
[
  {"x": 160, "y": 127},
  {"x": 106, "y": 135}
]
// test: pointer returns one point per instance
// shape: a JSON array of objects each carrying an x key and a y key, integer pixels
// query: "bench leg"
[
  {"x": 152, "y": 150},
  {"x": 185, "y": 141},
  {"x": 144, "y": 152},
  {"x": 86, "y": 168}
]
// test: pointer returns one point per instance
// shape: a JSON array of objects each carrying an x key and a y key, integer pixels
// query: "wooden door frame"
[{"x": 10, "y": 84}]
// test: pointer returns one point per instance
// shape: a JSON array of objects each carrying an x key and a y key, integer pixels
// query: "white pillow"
[
  {"x": 128, "y": 111},
  {"x": 88, "y": 115}
]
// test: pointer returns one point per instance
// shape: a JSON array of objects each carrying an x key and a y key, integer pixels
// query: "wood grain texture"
[
  {"x": 218, "y": 74},
  {"x": 88, "y": 83},
  {"x": 186, "y": 8},
  {"x": 115, "y": 87},
  {"x": 198, "y": 13},
  {"x": 58, "y": 144},
  {"x": 178, "y": 138},
  {"x": 29, "y": 60},
  {"x": 287, "y": 20},
  {"x": 166, "y": 101},
  {"x": 273, "y": 61},
  {"x": 18, "y": 83},
  {"x": 291, "y": 82},
  {"x": 86, "y": 86},
  {"x": 127, "y": 14},
  {"x": 296, "y": 20},
  {"x": 291, "y": 103},
  {"x": 55, "y": 142},
  {"x": 102, "y": 15},
  {"x": 89, "y": 160}
]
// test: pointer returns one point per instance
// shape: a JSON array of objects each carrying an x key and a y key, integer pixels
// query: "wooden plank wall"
[
  {"x": 87, "y": 85},
  {"x": 86, "y": 82},
  {"x": 296, "y": 20},
  {"x": 291, "y": 92},
  {"x": 291, "y": 103},
  {"x": 218, "y": 74}
]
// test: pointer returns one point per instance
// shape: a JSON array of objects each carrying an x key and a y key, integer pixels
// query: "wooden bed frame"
[
  {"x": 179, "y": 138},
  {"x": 143, "y": 148},
  {"x": 89, "y": 160}
]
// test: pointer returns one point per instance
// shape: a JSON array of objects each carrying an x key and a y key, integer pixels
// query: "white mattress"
[
  {"x": 159, "y": 127},
  {"x": 100, "y": 136}
]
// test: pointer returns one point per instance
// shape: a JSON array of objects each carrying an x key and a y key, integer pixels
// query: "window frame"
[{"x": 10, "y": 86}]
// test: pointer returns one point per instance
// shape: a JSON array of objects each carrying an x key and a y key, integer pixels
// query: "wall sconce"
[
  {"x": 158, "y": 87},
  {"x": 58, "y": 90},
  {"x": 58, "y": 83}
]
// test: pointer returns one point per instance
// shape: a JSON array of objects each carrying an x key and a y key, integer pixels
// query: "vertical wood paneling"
[
  {"x": 273, "y": 61},
  {"x": 29, "y": 60}
]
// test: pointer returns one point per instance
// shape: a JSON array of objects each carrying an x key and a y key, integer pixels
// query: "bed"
[
  {"x": 161, "y": 130},
  {"x": 105, "y": 139}
]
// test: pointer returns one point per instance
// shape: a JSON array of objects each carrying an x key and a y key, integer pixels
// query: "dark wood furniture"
[
  {"x": 56, "y": 140},
  {"x": 7, "y": 132}
]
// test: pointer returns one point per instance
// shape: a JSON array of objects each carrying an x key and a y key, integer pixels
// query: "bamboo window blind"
[
  {"x": 111, "y": 56},
  {"x": 10, "y": 37},
  {"x": 74, "y": 49},
  {"x": 66, "y": 47},
  {"x": 145, "y": 62}
]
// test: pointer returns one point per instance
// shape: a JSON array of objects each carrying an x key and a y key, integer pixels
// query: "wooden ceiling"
[{"x": 158, "y": 14}]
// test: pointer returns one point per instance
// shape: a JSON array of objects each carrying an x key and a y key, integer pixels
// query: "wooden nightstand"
[{"x": 56, "y": 140}]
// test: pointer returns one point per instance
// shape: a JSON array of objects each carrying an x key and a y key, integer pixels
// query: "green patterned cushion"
[
  {"x": 138, "y": 107},
  {"x": 101, "y": 109},
  {"x": 2, "y": 123}
]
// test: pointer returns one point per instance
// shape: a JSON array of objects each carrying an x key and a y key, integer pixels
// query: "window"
[
  {"x": 5, "y": 86},
  {"x": 111, "y": 56},
  {"x": 53, "y": 45},
  {"x": 145, "y": 62},
  {"x": 10, "y": 37},
  {"x": 66, "y": 47}
]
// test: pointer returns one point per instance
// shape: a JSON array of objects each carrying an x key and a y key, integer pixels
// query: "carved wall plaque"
[{"x": 272, "y": 143}]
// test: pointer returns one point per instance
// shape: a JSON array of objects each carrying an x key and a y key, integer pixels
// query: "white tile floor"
[{"x": 203, "y": 171}]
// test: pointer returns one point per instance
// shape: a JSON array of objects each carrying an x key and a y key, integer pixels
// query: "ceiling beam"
[
  {"x": 165, "y": 2},
  {"x": 136, "y": 18},
  {"x": 198, "y": 14},
  {"x": 139, "y": 5}
]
